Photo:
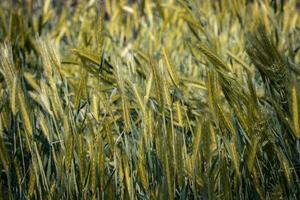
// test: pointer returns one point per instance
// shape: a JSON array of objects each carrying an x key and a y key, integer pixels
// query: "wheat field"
[{"x": 149, "y": 99}]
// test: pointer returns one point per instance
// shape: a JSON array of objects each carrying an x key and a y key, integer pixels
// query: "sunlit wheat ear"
[
  {"x": 125, "y": 103},
  {"x": 295, "y": 111},
  {"x": 7, "y": 69},
  {"x": 43, "y": 126},
  {"x": 24, "y": 113},
  {"x": 13, "y": 96},
  {"x": 69, "y": 152},
  {"x": 31, "y": 80},
  {"x": 80, "y": 152},
  {"x": 137, "y": 96},
  {"x": 32, "y": 182},
  {"x": 252, "y": 153},
  {"x": 170, "y": 69},
  {"x": 157, "y": 82},
  {"x": 94, "y": 161},
  {"x": 235, "y": 157},
  {"x": 7, "y": 64},
  {"x": 95, "y": 106},
  {"x": 219, "y": 64},
  {"x": 196, "y": 143}
]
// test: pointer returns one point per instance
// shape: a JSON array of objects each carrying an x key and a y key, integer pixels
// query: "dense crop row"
[{"x": 149, "y": 99}]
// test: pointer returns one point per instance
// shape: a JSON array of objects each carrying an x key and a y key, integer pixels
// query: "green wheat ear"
[{"x": 269, "y": 62}]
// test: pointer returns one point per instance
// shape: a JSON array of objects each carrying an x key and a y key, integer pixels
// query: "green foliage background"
[{"x": 149, "y": 99}]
